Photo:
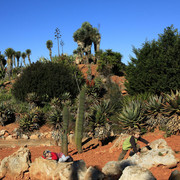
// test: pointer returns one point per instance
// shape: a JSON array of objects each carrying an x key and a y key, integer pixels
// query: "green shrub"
[
  {"x": 6, "y": 114},
  {"x": 48, "y": 80}
]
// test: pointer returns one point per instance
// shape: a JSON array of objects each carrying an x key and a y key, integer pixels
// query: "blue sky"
[{"x": 123, "y": 24}]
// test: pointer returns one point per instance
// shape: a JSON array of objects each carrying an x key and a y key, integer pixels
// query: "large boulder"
[
  {"x": 175, "y": 175},
  {"x": 15, "y": 165},
  {"x": 50, "y": 169},
  {"x": 161, "y": 154},
  {"x": 94, "y": 174},
  {"x": 136, "y": 173}
]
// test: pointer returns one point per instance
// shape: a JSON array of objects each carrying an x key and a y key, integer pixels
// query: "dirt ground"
[{"x": 93, "y": 154}]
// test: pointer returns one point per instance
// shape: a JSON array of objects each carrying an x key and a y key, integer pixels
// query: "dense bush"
[
  {"x": 110, "y": 63},
  {"x": 48, "y": 80},
  {"x": 156, "y": 67}
]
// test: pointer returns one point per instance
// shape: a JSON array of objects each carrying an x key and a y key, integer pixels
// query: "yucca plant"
[
  {"x": 172, "y": 103},
  {"x": 132, "y": 115}
]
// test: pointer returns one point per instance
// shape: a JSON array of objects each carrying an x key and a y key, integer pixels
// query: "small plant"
[
  {"x": 172, "y": 103},
  {"x": 32, "y": 120},
  {"x": 6, "y": 114}
]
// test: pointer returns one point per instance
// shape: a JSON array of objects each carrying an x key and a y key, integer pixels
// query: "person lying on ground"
[{"x": 60, "y": 157}]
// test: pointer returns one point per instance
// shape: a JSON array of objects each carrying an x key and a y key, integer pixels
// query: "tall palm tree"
[
  {"x": 23, "y": 55},
  {"x": 2, "y": 62},
  {"x": 9, "y": 53},
  {"x": 49, "y": 45},
  {"x": 18, "y": 55},
  {"x": 14, "y": 59},
  {"x": 28, "y": 52}
]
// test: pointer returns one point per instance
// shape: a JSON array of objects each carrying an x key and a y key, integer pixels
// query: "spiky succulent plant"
[
  {"x": 131, "y": 115},
  {"x": 172, "y": 103}
]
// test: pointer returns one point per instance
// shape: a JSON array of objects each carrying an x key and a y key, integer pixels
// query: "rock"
[
  {"x": 94, "y": 174},
  {"x": 175, "y": 175},
  {"x": 112, "y": 168},
  {"x": 24, "y": 136},
  {"x": 50, "y": 169},
  {"x": 118, "y": 143},
  {"x": 34, "y": 136},
  {"x": 136, "y": 173},
  {"x": 71, "y": 139},
  {"x": 9, "y": 137},
  {"x": 2, "y": 132},
  {"x": 15, "y": 165},
  {"x": 161, "y": 153}
]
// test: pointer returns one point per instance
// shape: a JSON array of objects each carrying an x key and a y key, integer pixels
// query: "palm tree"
[
  {"x": 49, "y": 45},
  {"x": 23, "y": 55},
  {"x": 18, "y": 55},
  {"x": 9, "y": 53},
  {"x": 28, "y": 52}
]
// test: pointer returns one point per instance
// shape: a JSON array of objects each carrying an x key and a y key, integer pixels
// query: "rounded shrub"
[{"x": 48, "y": 80}]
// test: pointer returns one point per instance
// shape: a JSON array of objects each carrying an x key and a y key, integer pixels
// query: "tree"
[
  {"x": 24, "y": 57},
  {"x": 85, "y": 36},
  {"x": 9, "y": 53},
  {"x": 62, "y": 44},
  {"x": 18, "y": 55},
  {"x": 28, "y": 52},
  {"x": 57, "y": 36},
  {"x": 110, "y": 63},
  {"x": 49, "y": 45},
  {"x": 156, "y": 67}
]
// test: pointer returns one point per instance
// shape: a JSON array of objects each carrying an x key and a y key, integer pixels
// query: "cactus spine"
[
  {"x": 64, "y": 145},
  {"x": 80, "y": 121}
]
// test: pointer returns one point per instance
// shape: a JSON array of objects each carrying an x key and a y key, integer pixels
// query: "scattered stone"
[
  {"x": 136, "y": 173},
  {"x": 16, "y": 164}
]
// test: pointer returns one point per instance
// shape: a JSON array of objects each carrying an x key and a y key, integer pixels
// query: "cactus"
[
  {"x": 79, "y": 121},
  {"x": 64, "y": 144}
]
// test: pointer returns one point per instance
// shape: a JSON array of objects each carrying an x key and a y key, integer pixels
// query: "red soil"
[{"x": 95, "y": 155}]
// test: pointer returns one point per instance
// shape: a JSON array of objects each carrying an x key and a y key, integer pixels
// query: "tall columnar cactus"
[
  {"x": 64, "y": 145},
  {"x": 80, "y": 121}
]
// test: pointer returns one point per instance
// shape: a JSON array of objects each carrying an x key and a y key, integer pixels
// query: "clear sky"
[{"x": 28, "y": 24}]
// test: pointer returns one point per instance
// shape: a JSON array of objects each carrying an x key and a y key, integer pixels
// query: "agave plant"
[
  {"x": 172, "y": 103},
  {"x": 32, "y": 120},
  {"x": 132, "y": 115},
  {"x": 102, "y": 111},
  {"x": 154, "y": 105}
]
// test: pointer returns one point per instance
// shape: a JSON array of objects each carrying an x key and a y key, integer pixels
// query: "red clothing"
[{"x": 53, "y": 156}]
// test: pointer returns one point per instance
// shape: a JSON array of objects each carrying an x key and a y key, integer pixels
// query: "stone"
[
  {"x": 118, "y": 143},
  {"x": 9, "y": 137},
  {"x": 161, "y": 154},
  {"x": 15, "y": 165},
  {"x": 94, "y": 174},
  {"x": 2, "y": 132},
  {"x": 50, "y": 169},
  {"x": 136, "y": 173},
  {"x": 34, "y": 136},
  {"x": 175, "y": 175}
]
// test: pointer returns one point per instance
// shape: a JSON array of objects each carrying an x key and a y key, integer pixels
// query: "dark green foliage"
[
  {"x": 47, "y": 80},
  {"x": 32, "y": 120},
  {"x": 66, "y": 116},
  {"x": 156, "y": 66},
  {"x": 110, "y": 62},
  {"x": 6, "y": 114},
  {"x": 80, "y": 121}
]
